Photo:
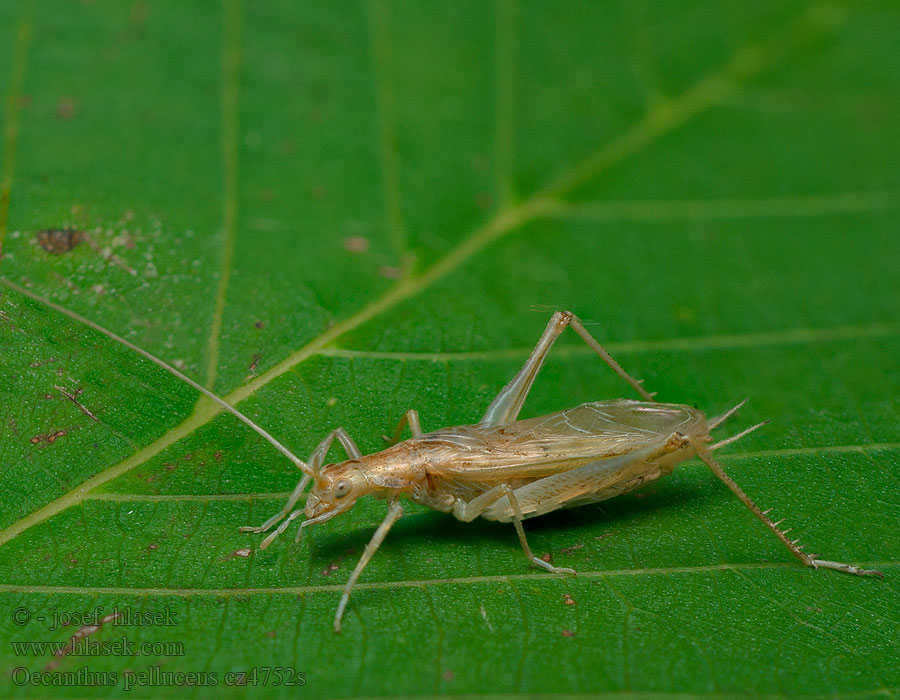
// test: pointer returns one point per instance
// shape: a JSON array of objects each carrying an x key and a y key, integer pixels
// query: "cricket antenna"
[{"x": 303, "y": 466}]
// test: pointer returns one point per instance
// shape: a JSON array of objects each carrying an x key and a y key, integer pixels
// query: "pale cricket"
[{"x": 502, "y": 468}]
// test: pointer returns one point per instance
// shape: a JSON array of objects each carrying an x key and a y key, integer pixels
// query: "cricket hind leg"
[
  {"x": 395, "y": 510},
  {"x": 797, "y": 550},
  {"x": 506, "y": 405},
  {"x": 468, "y": 511},
  {"x": 315, "y": 462}
]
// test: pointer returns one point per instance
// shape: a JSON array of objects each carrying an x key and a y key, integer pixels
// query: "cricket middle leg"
[
  {"x": 507, "y": 404},
  {"x": 467, "y": 511}
]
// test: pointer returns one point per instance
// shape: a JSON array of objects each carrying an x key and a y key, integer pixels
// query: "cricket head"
[{"x": 336, "y": 487}]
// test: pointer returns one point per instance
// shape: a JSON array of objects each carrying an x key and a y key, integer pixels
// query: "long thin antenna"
[{"x": 166, "y": 366}]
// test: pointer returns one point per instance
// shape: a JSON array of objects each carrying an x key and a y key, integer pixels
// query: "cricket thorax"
[{"x": 396, "y": 468}]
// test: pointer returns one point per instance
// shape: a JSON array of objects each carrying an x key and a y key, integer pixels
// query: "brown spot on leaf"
[
  {"x": 59, "y": 240},
  {"x": 48, "y": 437},
  {"x": 243, "y": 553},
  {"x": 73, "y": 397},
  {"x": 389, "y": 272},
  {"x": 356, "y": 244},
  {"x": 568, "y": 633},
  {"x": 80, "y": 633},
  {"x": 568, "y": 600},
  {"x": 259, "y": 324},
  {"x": 66, "y": 108}
]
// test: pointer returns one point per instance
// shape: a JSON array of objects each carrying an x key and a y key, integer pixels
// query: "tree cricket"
[
  {"x": 507, "y": 470},
  {"x": 502, "y": 468}
]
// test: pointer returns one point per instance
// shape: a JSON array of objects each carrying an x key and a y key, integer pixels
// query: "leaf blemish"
[
  {"x": 48, "y": 437},
  {"x": 59, "y": 240},
  {"x": 66, "y": 108},
  {"x": 73, "y": 397},
  {"x": 485, "y": 618},
  {"x": 356, "y": 244},
  {"x": 80, "y": 633},
  {"x": 244, "y": 553}
]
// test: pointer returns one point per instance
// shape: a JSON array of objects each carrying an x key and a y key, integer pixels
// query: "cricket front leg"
[
  {"x": 411, "y": 418},
  {"x": 395, "y": 510},
  {"x": 468, "y": 511},
  {"x": 797, "y": 550},
  {"x": 315, "y": 462},
  {"x": 506, "y": 405}
]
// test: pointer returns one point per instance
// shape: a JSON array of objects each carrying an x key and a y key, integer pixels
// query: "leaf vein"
[{"x": 462, "y": 580}]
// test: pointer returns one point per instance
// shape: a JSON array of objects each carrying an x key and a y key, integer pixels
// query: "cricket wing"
[{"x": 558, "y": 442}]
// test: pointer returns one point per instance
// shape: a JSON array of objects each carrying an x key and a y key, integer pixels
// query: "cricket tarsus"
[{"x": 502, "y": 468}]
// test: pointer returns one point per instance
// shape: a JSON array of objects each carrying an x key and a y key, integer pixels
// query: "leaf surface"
[{"x": 329, "y": 217}]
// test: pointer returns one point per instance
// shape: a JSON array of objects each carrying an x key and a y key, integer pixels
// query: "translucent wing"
[{"x": 556, "y": 442}]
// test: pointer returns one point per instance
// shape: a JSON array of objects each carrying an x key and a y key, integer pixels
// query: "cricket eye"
[{"x": 342, "y": 488}]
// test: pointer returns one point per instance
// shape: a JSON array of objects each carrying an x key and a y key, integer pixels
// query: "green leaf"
[{"x": 332, "y": 214}]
